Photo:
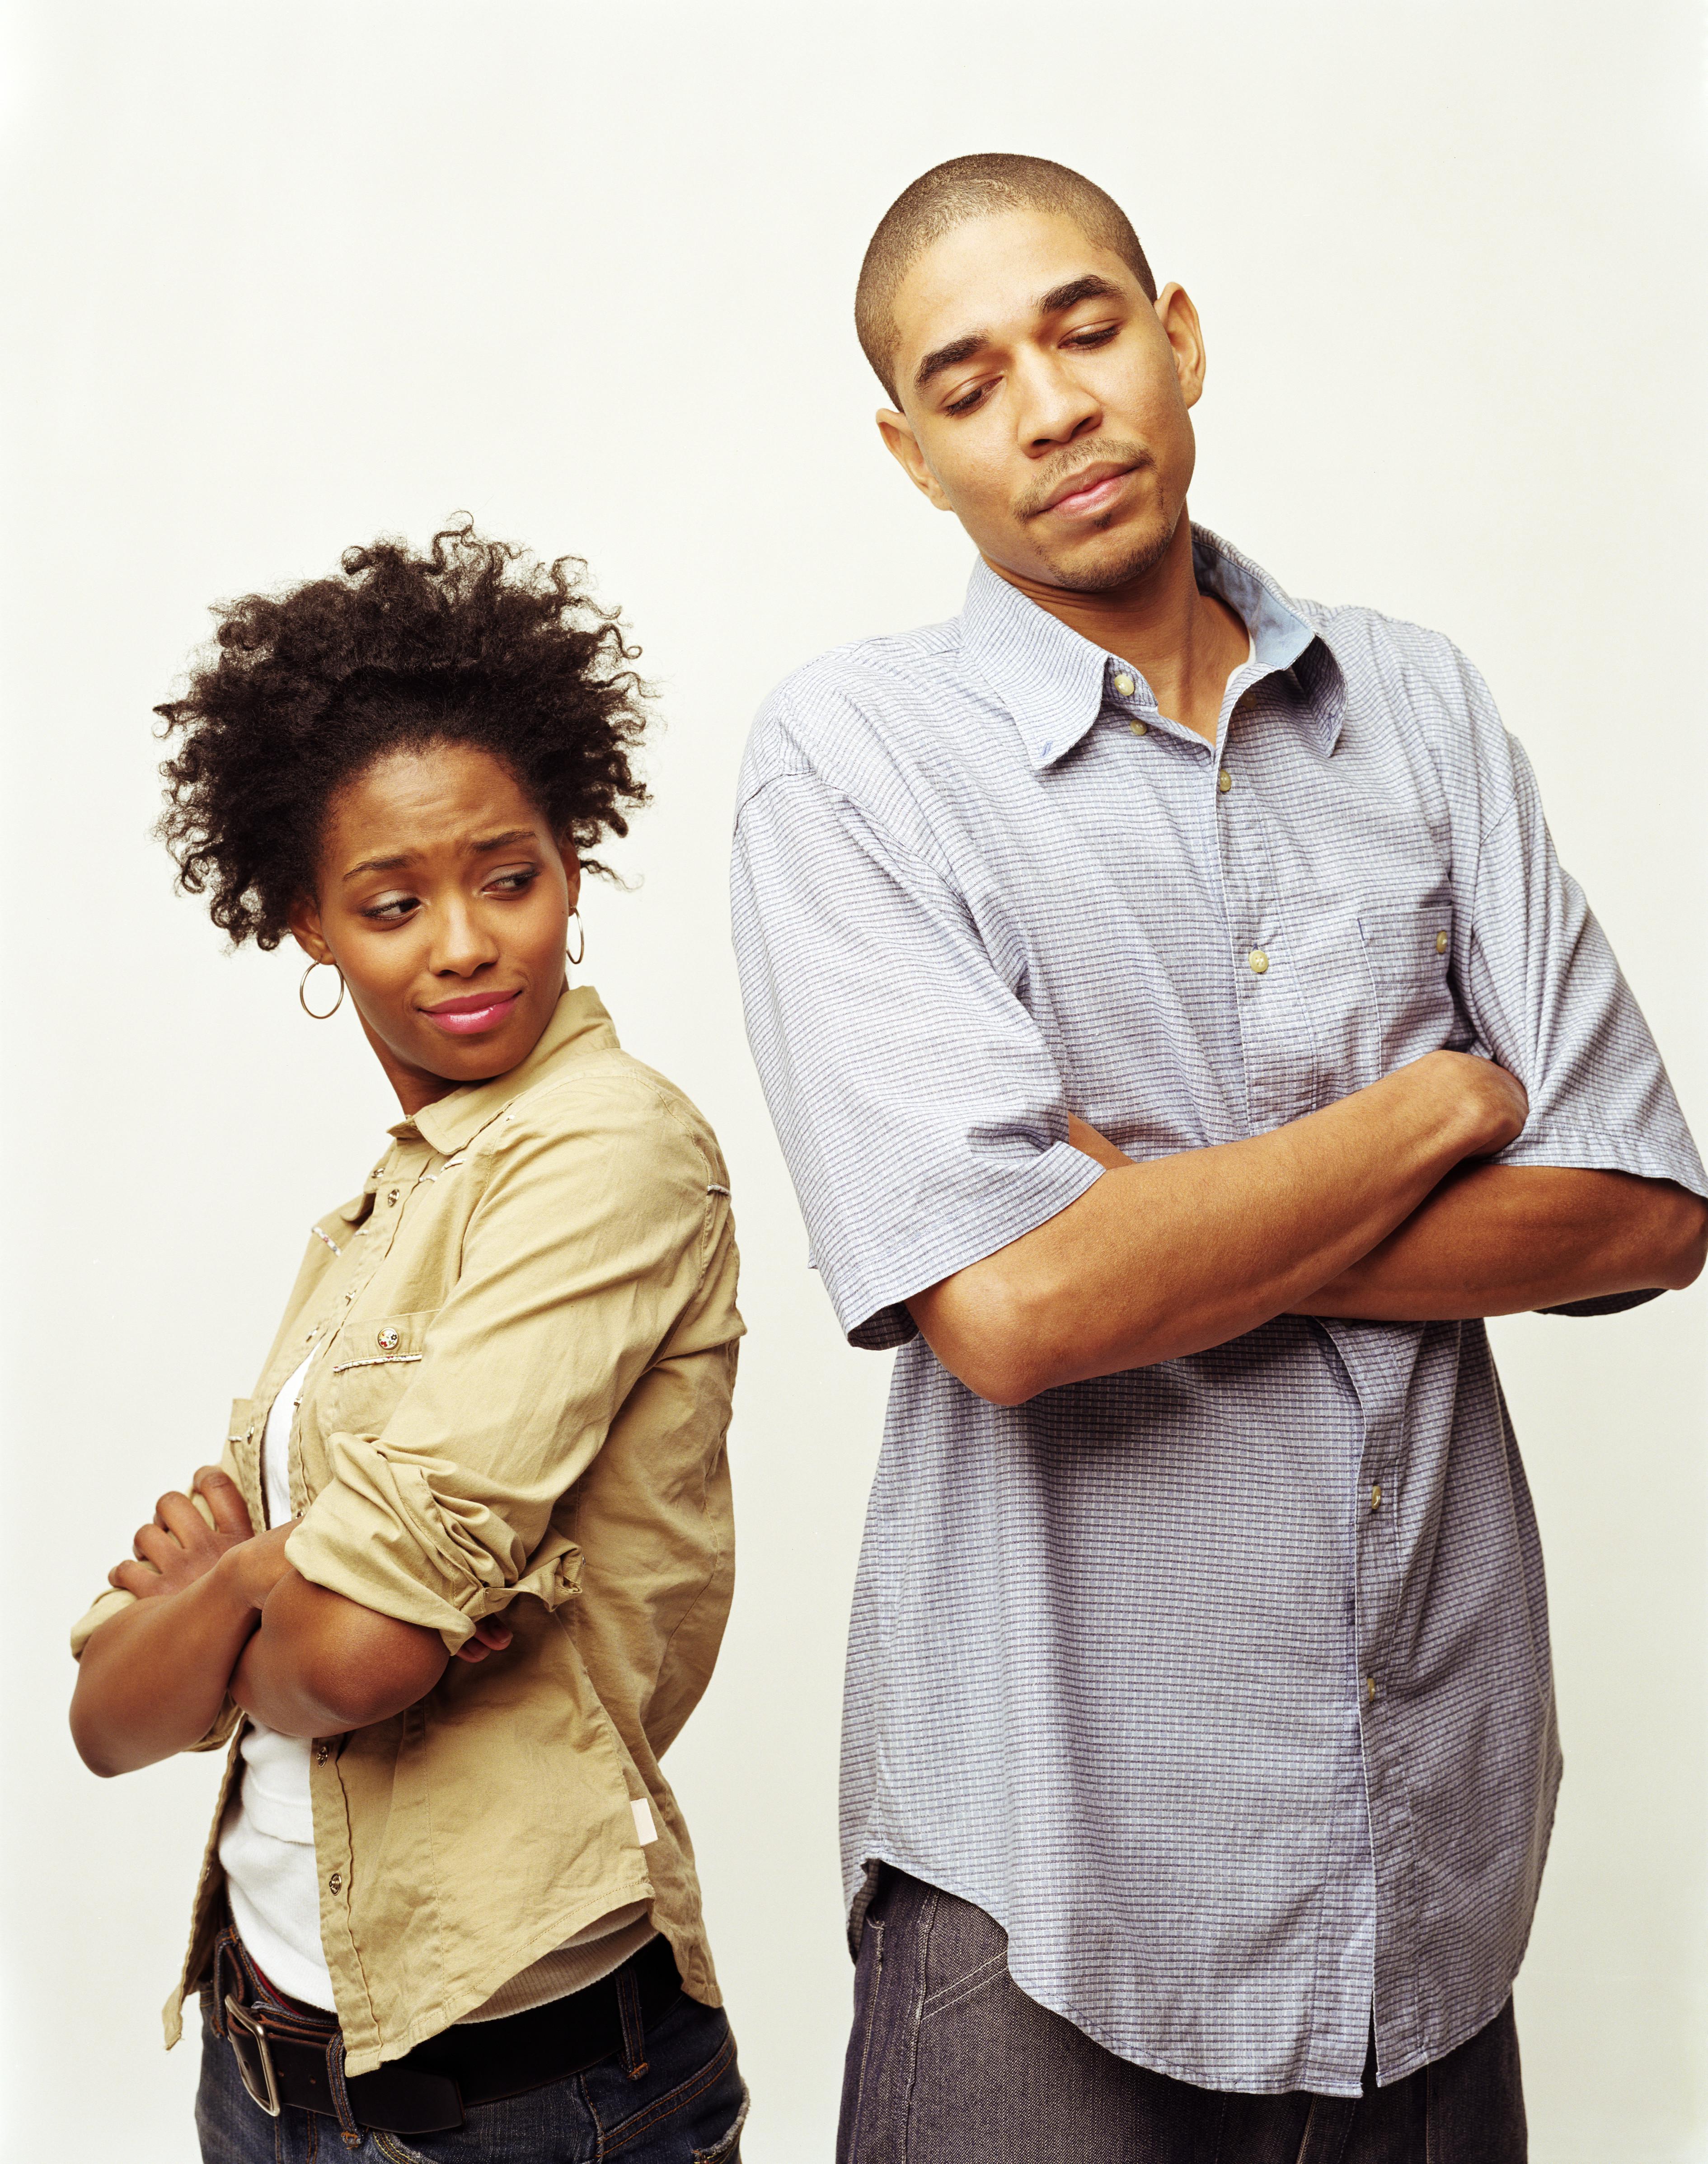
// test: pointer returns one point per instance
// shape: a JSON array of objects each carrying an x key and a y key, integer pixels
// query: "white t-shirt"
[{"x": 266, "y": 1846}]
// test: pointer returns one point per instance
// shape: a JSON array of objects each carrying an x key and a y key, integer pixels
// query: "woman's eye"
[
  {"x": 515, "y": 882},
  {"x": 393, "y": 910}
]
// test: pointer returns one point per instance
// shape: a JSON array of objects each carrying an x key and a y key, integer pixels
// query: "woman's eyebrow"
[
  {"x": 383, "y": 863},
  {"x": 503, "y": 840},
  {"x": 401, "y": 857}
]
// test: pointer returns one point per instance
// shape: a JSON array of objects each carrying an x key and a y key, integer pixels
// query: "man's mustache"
[{"x": 1103, "y": 451}]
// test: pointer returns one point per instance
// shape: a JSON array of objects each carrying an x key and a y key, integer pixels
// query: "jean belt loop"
[
  {"x": 340, "y": 2096},
  {"x": 634, "y": 2058}
]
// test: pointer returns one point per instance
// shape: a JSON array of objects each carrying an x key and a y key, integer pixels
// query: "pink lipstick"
[{"x": 474, "y": 1015}]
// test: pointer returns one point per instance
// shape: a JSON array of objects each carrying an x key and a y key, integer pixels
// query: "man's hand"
[
  {"x": 1166, "y": 1257},
  {"x": 179, "y": 1546}
]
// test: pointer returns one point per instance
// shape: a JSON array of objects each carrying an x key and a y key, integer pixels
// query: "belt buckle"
[{"x": 239, "y": 2018}]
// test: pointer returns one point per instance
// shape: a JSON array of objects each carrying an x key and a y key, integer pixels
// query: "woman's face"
[{"x": 444, "y": 898}]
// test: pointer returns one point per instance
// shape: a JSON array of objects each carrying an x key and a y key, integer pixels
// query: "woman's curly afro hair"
[{"x": 475, "y": 643}]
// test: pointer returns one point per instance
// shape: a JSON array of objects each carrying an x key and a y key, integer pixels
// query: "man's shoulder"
[{"x": 852, "y": 697}]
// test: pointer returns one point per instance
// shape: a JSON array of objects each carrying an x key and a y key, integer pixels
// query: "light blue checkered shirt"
[{"x": 1235, "y": 1755}]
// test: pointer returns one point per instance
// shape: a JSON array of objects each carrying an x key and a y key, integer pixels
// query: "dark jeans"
[
  {"x": 686, "y": 2108},
  {"x": 950, "y": 2060}
]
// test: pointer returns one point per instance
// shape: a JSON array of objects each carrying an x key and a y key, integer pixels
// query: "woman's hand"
[
  {"x": 491, "y": 1636},
  {"x": 180, "y": 1546}
]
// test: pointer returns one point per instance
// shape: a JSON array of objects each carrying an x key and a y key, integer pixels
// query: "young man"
[{"x": 1181, "y": 1035}]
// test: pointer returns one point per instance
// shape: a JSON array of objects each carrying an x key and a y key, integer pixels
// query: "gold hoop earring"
[
  {"x": 302, "y": 992},
  {"x": 575, "y": 959}
]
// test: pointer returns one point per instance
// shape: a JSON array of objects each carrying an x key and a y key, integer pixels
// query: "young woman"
[{"x": 462, "y": 1571}]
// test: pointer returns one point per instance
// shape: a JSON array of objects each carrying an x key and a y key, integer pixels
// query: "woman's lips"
[{"x": 472, "y": 1016}]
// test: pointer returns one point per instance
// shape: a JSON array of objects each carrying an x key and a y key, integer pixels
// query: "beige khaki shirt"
[{"x": 523, "y": 1335}]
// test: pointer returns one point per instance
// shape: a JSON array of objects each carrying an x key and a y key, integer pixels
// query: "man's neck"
[{"x": 1184, "y": 644}]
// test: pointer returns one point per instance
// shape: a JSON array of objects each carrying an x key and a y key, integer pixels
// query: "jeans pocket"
[{"x": 726, "y": 2149}]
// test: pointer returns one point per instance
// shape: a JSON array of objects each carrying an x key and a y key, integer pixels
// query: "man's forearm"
[
  {"x": 1167, "y": 1258},
  {"x": 320, "y": 1664},
  {"x": 1507, "y": 1239}
]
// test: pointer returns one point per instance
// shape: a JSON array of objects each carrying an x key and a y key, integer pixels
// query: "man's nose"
[{"x": 1053, "y": 408}]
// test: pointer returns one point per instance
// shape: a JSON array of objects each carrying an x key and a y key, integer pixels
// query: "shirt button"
[
  {"x": 1139, "y": 729},
  {"x": 323, "y": 1752},
  {"x": 335, "y": 1884},
  {"x": 1224, "y": 781},
  {"x": 1124, "y": 685},
  {"x": 1376, "y": 1496},
  {"x": 388, "y": 1340},
  {"x": 1258, "y": 960},
  {"x": 392, "y": 1196},
  {"x": 1369, "y": 1686},
  {"x": 1441, "y": 943}
]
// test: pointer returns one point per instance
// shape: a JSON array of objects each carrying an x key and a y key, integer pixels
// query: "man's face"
[{"x": 1044, "y": 400}]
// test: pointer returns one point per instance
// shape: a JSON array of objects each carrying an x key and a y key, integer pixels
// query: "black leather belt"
[{"x": 284, "y": 2052}]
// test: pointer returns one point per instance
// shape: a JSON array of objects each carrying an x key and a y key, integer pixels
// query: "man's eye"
[
  {"x": 1085, "y": 340},
  {"x": 965, "y": 405}
]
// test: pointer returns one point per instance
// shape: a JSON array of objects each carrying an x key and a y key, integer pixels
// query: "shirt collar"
[
  {"x": 579, "y": 1024},
  {"x": 1054, "y": 682}
]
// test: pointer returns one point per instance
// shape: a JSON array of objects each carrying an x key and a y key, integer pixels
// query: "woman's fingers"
[
  {"x": 491, "y": 1636},
  {"x": 176, "y": 1515},
  {"x": 154, "y": 1545},
  {"x": 224, "y": 1498},
  {"x": 140, "y": 1579}
]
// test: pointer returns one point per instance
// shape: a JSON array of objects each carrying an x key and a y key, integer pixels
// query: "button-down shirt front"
[
  {"x": 1223, "y": 1683},
  {"x": 523, "y": 1335}
]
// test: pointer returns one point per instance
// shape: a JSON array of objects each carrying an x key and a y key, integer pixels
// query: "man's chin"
[{"x": 1104, "y": 563}]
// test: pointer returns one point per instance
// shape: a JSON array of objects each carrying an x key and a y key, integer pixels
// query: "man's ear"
[
  {"x": 903, "y": 446},
  {"x": 304, "y": 921},
  {"x": 1185, "y": 334}
]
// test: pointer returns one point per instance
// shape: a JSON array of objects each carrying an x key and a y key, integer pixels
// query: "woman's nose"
[{"x": 463, "y": 943}]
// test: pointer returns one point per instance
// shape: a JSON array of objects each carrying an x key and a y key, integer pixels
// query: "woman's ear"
[
  {"x": 572, "y": 870},
  {"x": 303, "y": 918}
]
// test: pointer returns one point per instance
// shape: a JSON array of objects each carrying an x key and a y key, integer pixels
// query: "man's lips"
[
  {"x": 470, "y": 1015},
  {"x": 1092, "y": 489}
]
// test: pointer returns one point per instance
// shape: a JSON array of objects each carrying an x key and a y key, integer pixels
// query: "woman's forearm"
[
  {"x": 152, "y": 1679},
  {"x": 1507, "y": 1239},
  {"x": 320, "y": 1664}
]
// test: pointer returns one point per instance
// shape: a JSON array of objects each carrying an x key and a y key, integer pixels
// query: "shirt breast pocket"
[
  {"x": 373, "y": 1363},
  {"x": 1409, "y": 953}
]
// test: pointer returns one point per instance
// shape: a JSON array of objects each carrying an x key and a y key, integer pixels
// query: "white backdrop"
[{"x": 277, "y": 277}]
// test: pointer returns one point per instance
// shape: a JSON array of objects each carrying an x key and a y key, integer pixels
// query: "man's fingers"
[{"x": 224, "y": 1498}]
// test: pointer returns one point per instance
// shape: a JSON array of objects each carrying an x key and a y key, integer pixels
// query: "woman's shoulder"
[{"x": 607, "y": 1110}]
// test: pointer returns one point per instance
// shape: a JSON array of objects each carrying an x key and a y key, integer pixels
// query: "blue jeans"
[
  {"x": 687, "y": 2108},
  {"x": 950, "y": 2060}
]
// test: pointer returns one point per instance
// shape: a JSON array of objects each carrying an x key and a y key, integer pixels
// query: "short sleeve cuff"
[
  {"x": 868, "y": 1291},
  {"x": 1575, "y": 1149}
]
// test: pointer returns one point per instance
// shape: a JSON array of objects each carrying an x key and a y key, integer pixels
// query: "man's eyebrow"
[
  {"x": 949, "y": 356},
  {"x": 1055, "y": 302},
  {"x": 482, "y": 849},
  {"x": 1060, "y": 298}
]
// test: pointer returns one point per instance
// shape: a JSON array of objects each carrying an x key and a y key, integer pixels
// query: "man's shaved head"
[{"x": 981, "y": 186}]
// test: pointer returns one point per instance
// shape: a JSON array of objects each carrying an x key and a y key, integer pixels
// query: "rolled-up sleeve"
[
  {"x": 588, "y": 1243},
  {"x": 1548, "y": 998},
  {"x": 919, "y": 1108}
]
